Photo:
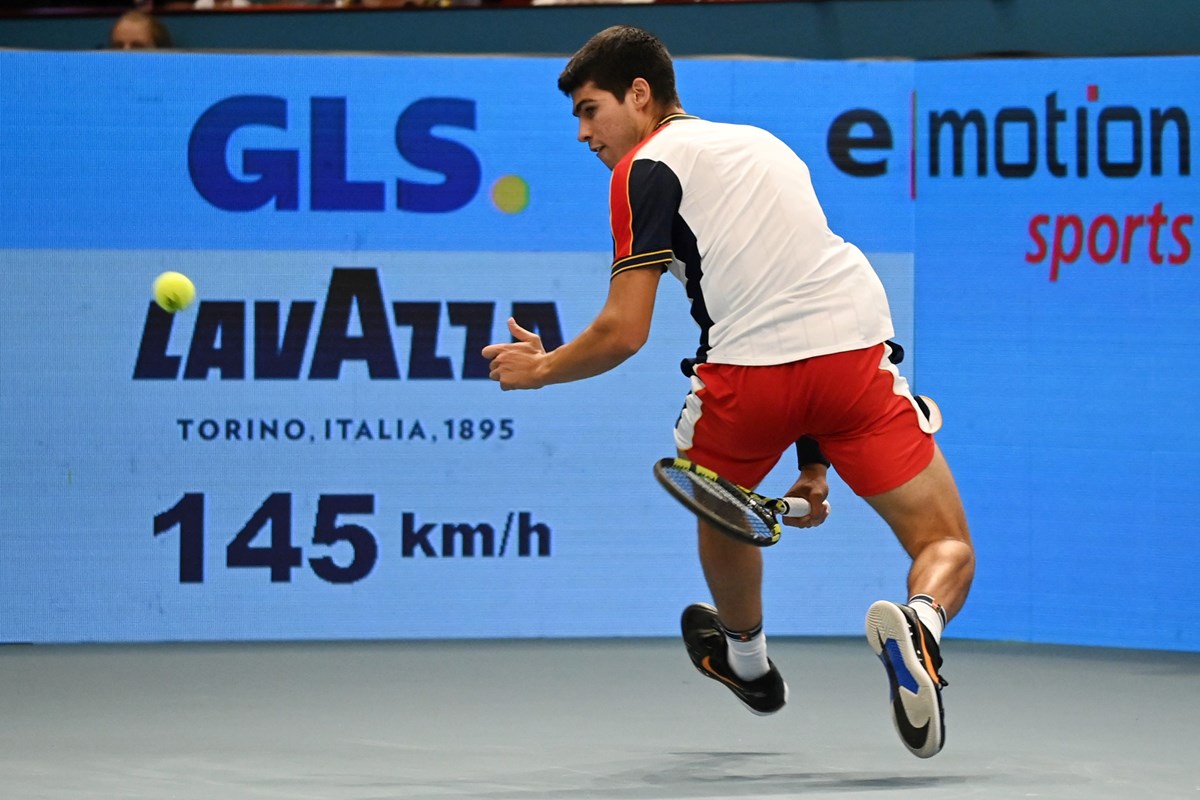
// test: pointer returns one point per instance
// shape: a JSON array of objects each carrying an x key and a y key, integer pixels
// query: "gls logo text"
[{"x": 273, "y": 175}]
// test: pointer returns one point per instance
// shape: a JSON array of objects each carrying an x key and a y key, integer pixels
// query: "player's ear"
[{"x": 640, "y": 93}]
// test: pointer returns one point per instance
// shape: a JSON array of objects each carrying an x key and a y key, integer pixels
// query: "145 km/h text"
[{"x": 347, "y": 551}]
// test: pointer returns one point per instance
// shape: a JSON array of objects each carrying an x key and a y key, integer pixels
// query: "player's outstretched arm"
[{"x": 617, "y": 332}]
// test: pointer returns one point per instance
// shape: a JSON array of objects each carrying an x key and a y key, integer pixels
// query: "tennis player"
[{"x": 794, "y": 351}]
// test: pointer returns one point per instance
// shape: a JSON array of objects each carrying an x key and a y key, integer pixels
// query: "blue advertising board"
[
  {"x": 1058, "y": 303},
  {"x": 313, "y": 449}
]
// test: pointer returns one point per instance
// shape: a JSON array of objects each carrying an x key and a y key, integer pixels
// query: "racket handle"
[{"x": 796, "y": 507}]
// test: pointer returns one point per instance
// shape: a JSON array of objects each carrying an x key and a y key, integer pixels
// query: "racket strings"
[{"x": 731, "y": 507}]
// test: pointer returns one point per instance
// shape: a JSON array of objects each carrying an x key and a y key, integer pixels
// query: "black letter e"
[{"x": 841, "y": 144}]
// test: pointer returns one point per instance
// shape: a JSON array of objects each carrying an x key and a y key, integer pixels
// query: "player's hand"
[
  {"x": 516, "y": 365},
  {"x": 813, "y": 487}
]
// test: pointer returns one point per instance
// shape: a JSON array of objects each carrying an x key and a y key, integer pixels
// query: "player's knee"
[
  {"x": 952, "y": 555},
  {"x": 943, "y": 537},
  {"x": 961, "y": 556}
]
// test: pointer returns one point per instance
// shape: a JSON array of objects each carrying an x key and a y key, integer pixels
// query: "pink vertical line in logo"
[
  {"x": 912, "y": 147},
  {"x": 1093, "y": 92}
]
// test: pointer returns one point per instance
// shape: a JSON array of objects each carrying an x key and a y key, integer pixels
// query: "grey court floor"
[{"x": 563, "y": 720}]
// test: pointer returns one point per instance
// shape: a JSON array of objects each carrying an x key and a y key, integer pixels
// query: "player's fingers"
[
  {"x": 520, "y": 334},
  {"x": 501, "y": 376},
  {"x": 817, "y": 515}
]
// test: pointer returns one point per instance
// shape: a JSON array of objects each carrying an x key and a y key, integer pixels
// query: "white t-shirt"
[{"x": 731, "y": 212}]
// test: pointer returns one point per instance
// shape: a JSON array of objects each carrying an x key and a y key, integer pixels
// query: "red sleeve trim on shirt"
[
  {"x": 620, "y": 210},
  {"x": 620, "y": 207}
]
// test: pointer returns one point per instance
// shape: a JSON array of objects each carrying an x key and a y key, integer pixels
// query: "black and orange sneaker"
[
  {"x": 707, "y": 647},
  {"x": 912, "y": 659}
]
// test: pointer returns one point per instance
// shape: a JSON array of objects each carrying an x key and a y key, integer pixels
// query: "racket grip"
[{"x": 796, "y": 507}]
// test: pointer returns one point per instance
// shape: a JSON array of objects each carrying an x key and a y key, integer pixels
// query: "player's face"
[{"x": 610, "y": 127}]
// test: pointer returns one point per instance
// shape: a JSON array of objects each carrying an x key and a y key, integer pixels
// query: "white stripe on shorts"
[
  {"x": 685, "y": 426},
  {"x": 900, "y": 387}
]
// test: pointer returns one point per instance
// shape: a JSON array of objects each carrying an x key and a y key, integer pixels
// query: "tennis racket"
[{"x": 732, "y": 509}]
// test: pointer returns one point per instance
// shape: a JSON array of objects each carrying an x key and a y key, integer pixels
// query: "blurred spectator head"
[{"x": 137, "y": 30}]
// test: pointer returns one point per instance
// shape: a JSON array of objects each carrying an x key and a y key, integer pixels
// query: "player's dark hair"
[{"x": 614, "y": 57}]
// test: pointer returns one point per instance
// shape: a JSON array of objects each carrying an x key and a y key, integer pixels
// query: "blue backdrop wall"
[{"x": 313, "y": 450}]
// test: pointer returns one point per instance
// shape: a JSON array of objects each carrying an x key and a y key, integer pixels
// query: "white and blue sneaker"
[{"x": 912, "y": 659}]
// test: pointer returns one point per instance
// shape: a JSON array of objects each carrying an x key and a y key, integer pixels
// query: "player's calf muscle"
[
  {"x": 926, "y": 515},
  {"x": 944, "y": 570}
]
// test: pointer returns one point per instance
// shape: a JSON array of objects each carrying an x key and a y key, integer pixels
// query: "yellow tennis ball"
[
  {"x": 510, "y": 194},
  {"x": 174, "y": 291}
]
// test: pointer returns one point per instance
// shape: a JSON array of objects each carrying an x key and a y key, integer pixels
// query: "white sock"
[
  {"x": 930, "y": 613},
  {"x": 747, "y": 653}
]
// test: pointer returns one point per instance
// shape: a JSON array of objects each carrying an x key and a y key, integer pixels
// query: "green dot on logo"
[{"x": 510, "y": 194}]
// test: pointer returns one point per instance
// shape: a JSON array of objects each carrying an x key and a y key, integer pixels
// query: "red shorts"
[{"x": 739, "y": 421}]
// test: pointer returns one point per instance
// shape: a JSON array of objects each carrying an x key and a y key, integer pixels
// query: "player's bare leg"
[
  {"x": 728, "y": 645},
  {"x": 926, "y": 514},
  {"x": 734, "y": 572}
]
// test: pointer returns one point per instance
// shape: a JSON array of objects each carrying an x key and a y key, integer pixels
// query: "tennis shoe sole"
[{"x": 910, "y": 656}]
